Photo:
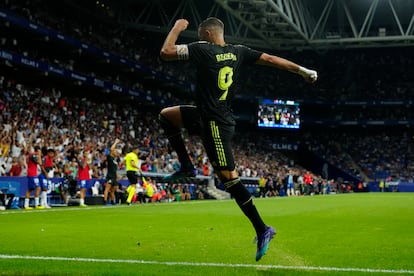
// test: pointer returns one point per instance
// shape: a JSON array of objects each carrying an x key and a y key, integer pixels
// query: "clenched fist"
[{"x": 181, "y": 25}]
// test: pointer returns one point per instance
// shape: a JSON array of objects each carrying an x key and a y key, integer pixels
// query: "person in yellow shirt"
[
  {"x": 262, "y": 186},
  {"x": 132, "y": 169},
  {"x": 148, "y": 189},
  {"x": 5, "y": 143},
  {"x": 381, "y": 185}
]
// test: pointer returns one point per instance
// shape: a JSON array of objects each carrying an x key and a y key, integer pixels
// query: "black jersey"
[
  {"x": 112, "y": 166},
  {"x": 217, "y": 73}
]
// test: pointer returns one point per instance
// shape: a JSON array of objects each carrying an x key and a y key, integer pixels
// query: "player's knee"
[
  {"x": 226, "y": 175},
  {"x": 166, "y": 124},
  {"x": 163, "y": 113},
  {"x": 162, "y": 119},
  {"x": 170, "y": 112}
]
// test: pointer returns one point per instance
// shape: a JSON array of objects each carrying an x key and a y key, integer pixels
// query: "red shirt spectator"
[
  {"x": 206, "y": 170},
  {"x": 16, "y": 168},
  {"x": 62, "y": 103},
  {"x": 307, "y": 178}
]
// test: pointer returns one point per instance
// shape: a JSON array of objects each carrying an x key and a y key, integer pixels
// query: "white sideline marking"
[{"x": 316, "y": 268}]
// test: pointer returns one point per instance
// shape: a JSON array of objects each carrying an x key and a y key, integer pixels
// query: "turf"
[{"x": 352, "y": 234}]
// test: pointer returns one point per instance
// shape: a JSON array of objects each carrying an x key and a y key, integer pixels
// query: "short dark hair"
[{"x": 212, "y": 22}]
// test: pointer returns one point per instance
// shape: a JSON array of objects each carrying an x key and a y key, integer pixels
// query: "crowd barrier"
[
  {"x": 394, "y": 186},
  {"x": 18, "y": 184}
]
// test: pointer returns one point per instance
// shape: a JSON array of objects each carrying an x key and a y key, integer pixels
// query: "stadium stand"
[{"x": 71, "y": 115}]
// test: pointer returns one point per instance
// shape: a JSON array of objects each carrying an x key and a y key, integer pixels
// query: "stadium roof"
[{"x": 282, "y": 24}]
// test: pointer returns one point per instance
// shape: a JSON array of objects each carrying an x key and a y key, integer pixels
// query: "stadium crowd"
[
  {"x": 103, "y": 33},
  {"x": 377, "y": 155},
  {"x": 382, "y": 73},
  {"x": 72, "y": 127}
]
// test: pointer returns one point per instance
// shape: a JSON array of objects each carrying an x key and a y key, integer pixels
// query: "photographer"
[{"x": 6, "y": 199}]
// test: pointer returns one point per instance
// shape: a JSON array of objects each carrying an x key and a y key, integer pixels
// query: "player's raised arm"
[
  {"x": 169, "y": 50},
  {"x": 113, "y": 147},
  {"x": 284, "y": 64}
]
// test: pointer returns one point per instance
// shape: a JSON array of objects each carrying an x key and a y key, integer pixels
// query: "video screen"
[{"x": 278, "y": 114}]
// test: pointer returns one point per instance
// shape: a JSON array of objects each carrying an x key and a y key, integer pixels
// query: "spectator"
[
  {"x": 47, "y": 172},
  {"x": 185, "y": 192},
  {"x": 308, "y": 182},
  {"x": 84, "y": 177},
  {"x": 71, "y": 174},
  {"x": 262, "y": 186},
  {"x": 6, "y": 200},
  {"x": 290, "y": 184},
  {"x": 16, "y": 168},
  {"x": 33, "y": 183}
]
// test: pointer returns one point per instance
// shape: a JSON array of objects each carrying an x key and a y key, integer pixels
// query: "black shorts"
[
  {"x": 111, "y": 180},
  {"x": 216, "y": 137},
  {"x": 191, "y": 119},
  {"x": 132, "y": 177}
]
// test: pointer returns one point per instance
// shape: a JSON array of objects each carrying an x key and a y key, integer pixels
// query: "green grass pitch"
[{"x": 350, "y": 234}]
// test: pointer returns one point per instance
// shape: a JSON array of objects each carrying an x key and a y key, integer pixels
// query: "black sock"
[
  {"x": 245, "y": 202},
  {"x": 176, "y": 141}
]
